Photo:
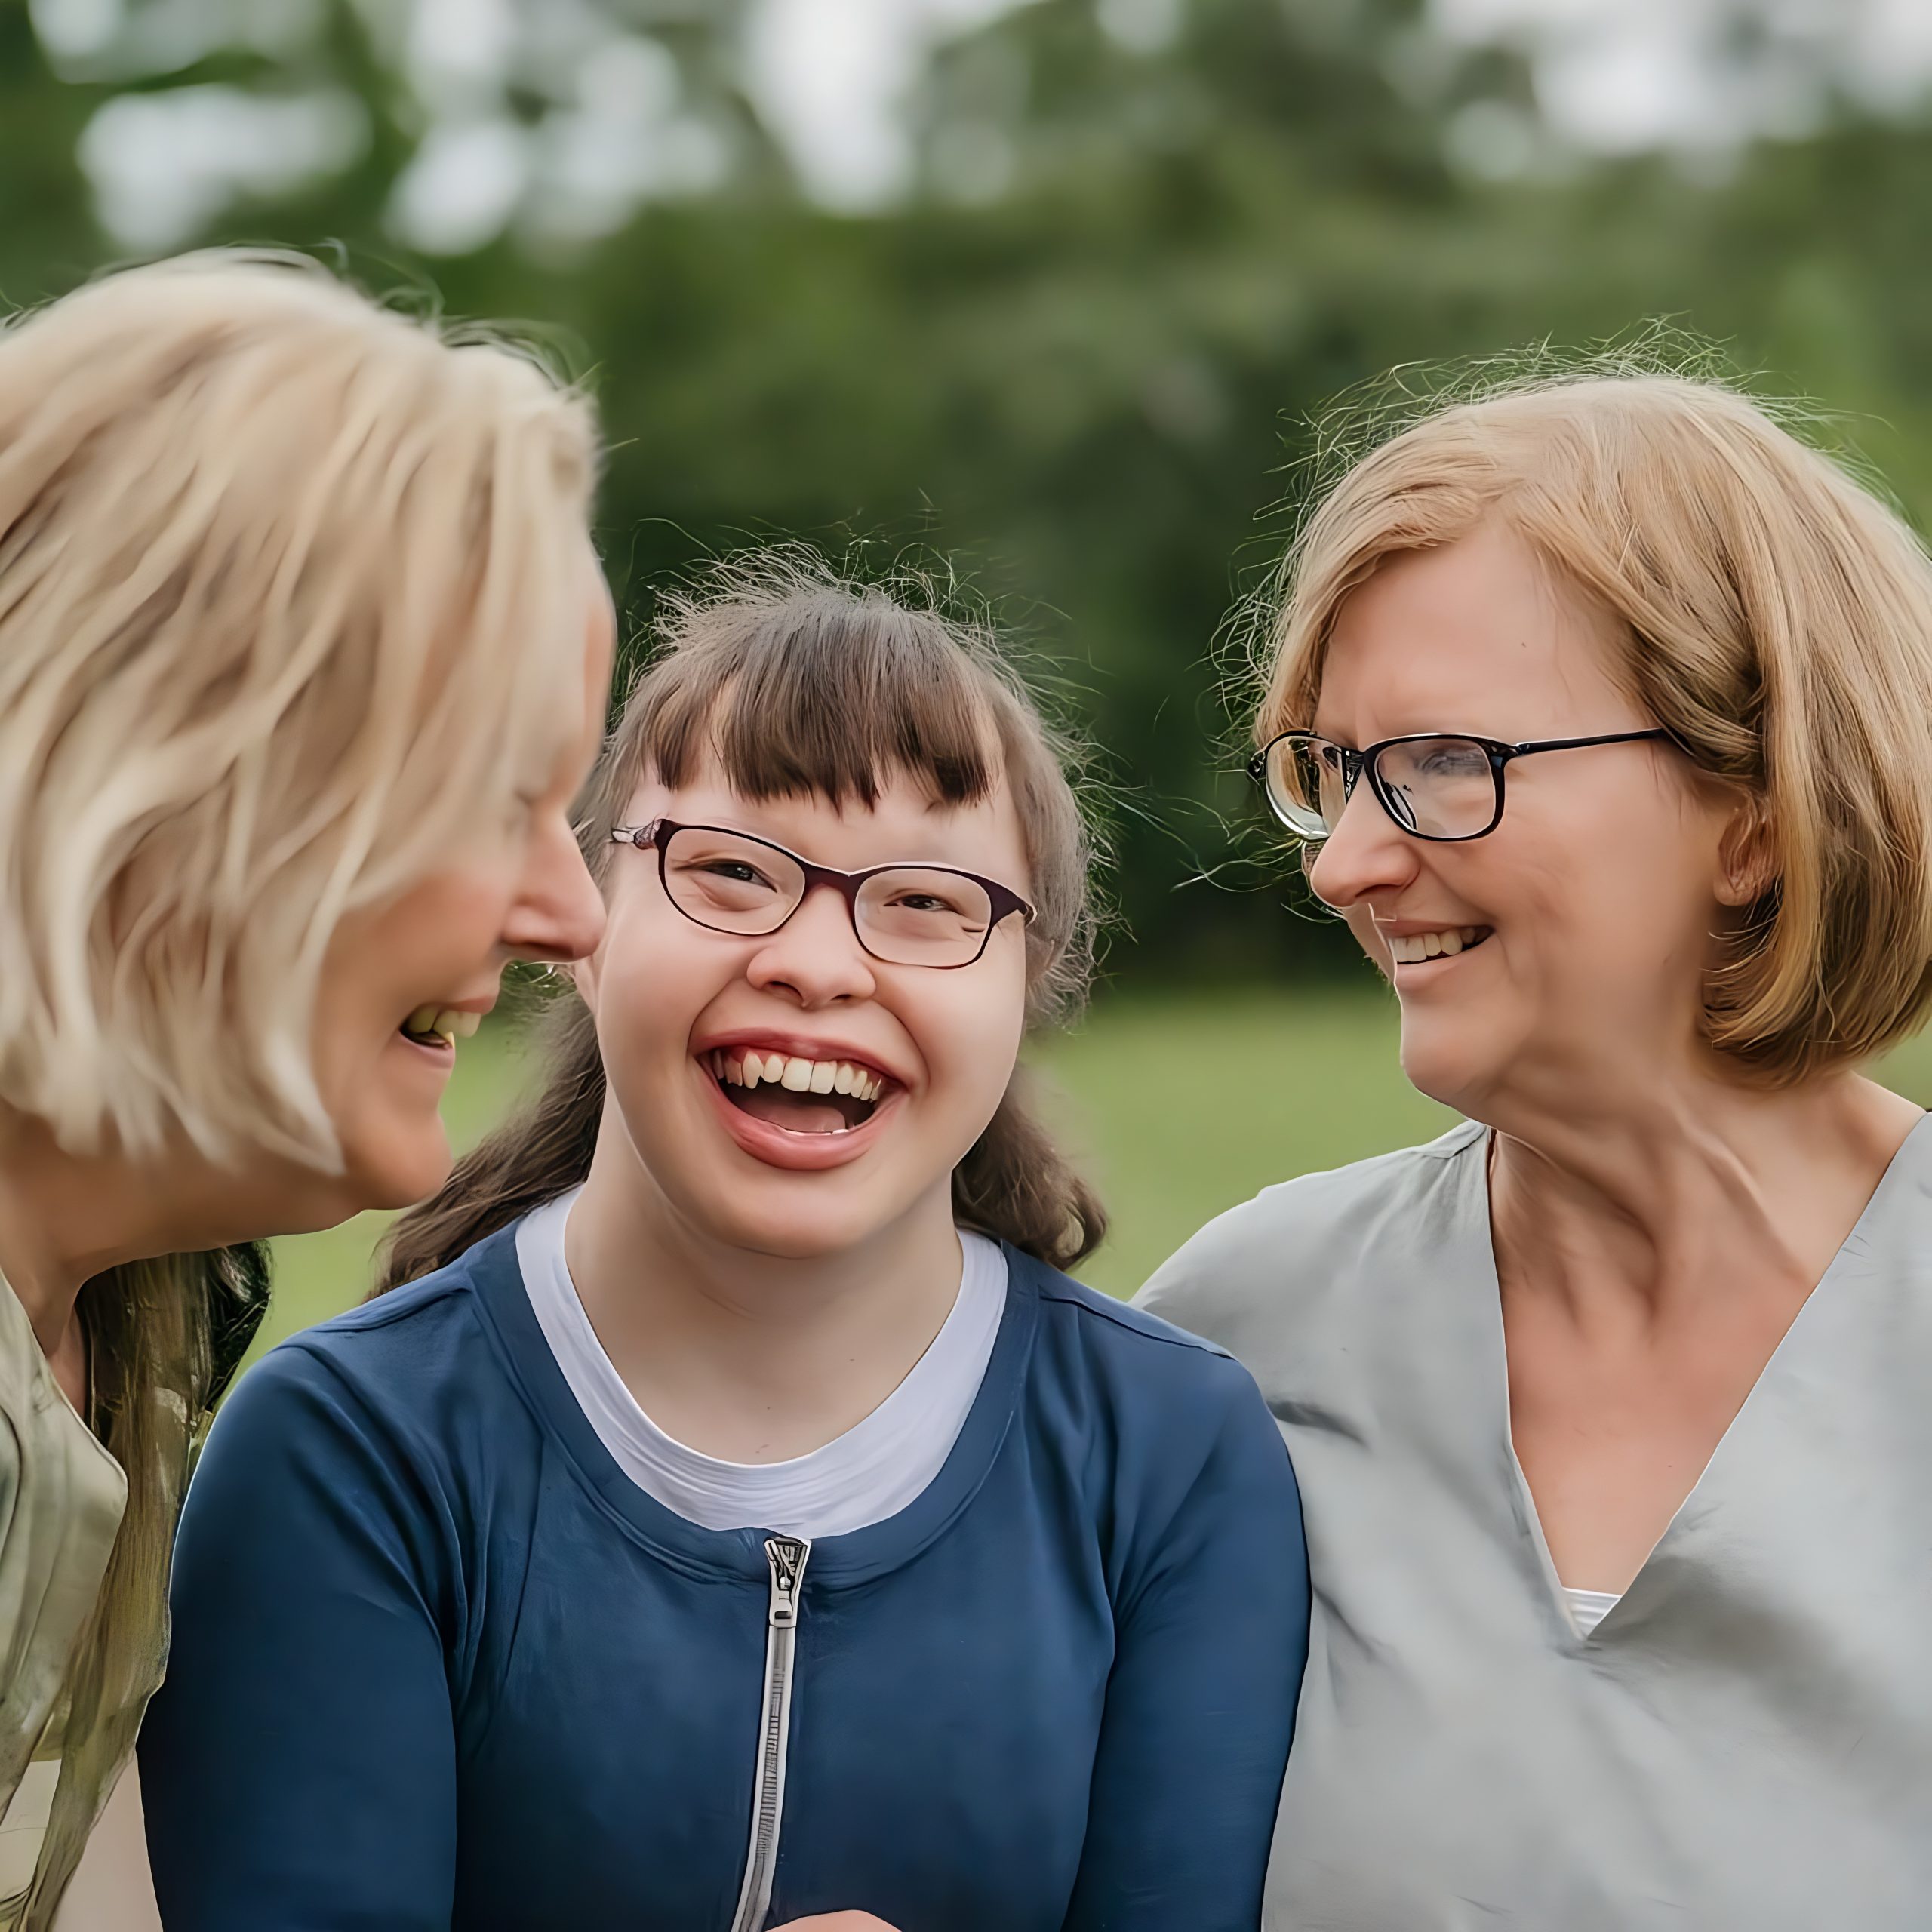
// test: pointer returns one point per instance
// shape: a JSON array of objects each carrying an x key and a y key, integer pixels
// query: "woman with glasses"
[
  {"x": 738, "y": 1518},
  {"x": 1602, "y": 711},
  {"x": 304, "y": 653}
]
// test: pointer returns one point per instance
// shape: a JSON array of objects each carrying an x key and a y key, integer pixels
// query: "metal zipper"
[{"x": 786, "y": 1557}]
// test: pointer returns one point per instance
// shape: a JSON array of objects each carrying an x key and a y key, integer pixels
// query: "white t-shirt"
[
  {"x": 871, "y": 1472},
  {"x": 1589, "y": 1607}
]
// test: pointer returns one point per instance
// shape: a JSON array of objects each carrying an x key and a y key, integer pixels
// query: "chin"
[
  {"x": 1446, "y": 1068},
  {"x": 398, "y": 1172},
  {"x": 789, "y": 1230}
]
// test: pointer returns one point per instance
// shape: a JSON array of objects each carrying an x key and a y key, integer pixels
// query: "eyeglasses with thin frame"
[
  {"x": 1445, "y": 786},
  {"x": 903, "y": 914}
]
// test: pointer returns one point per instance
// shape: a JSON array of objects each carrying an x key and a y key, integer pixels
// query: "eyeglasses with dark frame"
[
  {"x": 1446, "y": 786},
  {"x": 905, "y": 914}
]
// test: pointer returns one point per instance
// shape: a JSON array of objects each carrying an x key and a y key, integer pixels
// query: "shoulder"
[
  {"x": 405, "y": 1374},
  {"x": 1136, "y": 1334},
  {"x": 1117, "y": 1339},
  {"x": 1170, "y": 1433},
  {"x": 1311, "y": 1235},
  {"x": 1150, "y": 1379}
]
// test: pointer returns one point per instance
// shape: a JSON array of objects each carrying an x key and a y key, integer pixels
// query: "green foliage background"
[
  {"x": 1082, "y": 355},
  {"x": 1084, "y": 358}
]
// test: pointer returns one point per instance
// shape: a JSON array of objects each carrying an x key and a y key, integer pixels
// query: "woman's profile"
[
  {"x": 303, "y": 654},
  {"x": 1602, "y": 711}
]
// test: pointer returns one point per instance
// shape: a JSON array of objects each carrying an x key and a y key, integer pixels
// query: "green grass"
[{"x": 1183, "y": 1106}]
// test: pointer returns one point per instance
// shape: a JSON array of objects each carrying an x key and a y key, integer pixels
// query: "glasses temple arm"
[{"x": 1579, "y": 744}]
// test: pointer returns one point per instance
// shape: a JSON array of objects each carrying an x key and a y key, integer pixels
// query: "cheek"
[
  {"x": 364, "y": 995},
  {"x": 655, "y": 975},
  {"x": 441, "y": 937},
  {"x": 1607, "y": 906},
  {"x": 970, "y": 1040}
]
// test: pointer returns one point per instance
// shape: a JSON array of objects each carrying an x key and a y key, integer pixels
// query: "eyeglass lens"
[
  {"x": 908, "y": 915},
  {"x": 1438, "y": 787}
]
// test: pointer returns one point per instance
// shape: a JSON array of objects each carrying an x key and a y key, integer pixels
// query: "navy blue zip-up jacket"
[{"x": 439, "y": 1666}]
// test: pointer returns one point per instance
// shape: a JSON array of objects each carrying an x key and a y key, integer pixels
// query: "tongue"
[{"x": 802, "y": 1113}]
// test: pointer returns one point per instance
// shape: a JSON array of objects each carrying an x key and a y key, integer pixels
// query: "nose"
[
  {"x": 1365, "y": 855},
  {"x": 815, "y": 956},
  {"x": 557, "y": 914}
]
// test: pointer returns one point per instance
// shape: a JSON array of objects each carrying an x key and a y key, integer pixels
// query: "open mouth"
[
  {"x": 815, "y": 1096},
  {"x": 1413, "y": 949},
  {"x": 438, "y": 1027}
]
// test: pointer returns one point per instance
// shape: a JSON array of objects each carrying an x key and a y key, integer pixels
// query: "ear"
[{"x": 1747, "y": 854}]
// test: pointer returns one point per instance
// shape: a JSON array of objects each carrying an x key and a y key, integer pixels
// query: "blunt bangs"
[
  {"x": 828, "y": 695},
  {"x": 802, "y": 685}
]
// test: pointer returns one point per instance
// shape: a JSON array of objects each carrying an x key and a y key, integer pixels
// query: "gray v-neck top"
[{"x": 1745, "y": 1742}]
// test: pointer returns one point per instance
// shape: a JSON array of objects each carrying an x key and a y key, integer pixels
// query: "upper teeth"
[
  {"x": 1411, "y": 949},
  {"x": 444, "y": 1020},
  {"x": 800, "y": 1076}
]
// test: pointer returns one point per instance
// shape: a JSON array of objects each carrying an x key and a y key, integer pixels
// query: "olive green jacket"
[
  {"x": 164, "y": 1339},
  {"x": 61, "y": 1499}
]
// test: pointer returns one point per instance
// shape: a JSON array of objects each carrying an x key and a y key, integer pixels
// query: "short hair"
[
  {"x": 1777, "y": 620},
  {"x": 291, "y": 589}
]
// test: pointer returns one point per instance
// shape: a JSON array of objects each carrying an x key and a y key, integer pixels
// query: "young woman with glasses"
[
  {"x": 738, "y": 1517},
  {"x": 1602, "y": 710}
]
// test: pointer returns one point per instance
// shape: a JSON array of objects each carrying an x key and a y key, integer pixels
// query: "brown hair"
[
  {"x": 1777, "y": 619},
  {"x": 803, "y": 685}
]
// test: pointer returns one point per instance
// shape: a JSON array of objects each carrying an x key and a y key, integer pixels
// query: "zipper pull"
[{"x": 787, "y": 1555}]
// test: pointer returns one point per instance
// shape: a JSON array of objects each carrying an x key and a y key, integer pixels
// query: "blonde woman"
[
  {"x": 303, "y": 654},
  {"x": 1604, "y": 710}
]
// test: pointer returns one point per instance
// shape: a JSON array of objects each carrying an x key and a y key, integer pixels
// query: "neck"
[
  {"x": 66, "y": 1217},
  {"x": 751, "y": 1356},
  {"x": 1671, "y": 1189}
]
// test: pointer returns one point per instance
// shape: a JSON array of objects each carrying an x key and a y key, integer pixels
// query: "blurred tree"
[
  {"x": 1145, "y": 241},
  {"x": 47, "y": 237},
  {"x": 443, "y": 123}
]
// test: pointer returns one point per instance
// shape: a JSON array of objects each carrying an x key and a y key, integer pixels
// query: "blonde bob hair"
[
  {"x": 1777, "y": 618},
  {"x": 291, "y": 590}
]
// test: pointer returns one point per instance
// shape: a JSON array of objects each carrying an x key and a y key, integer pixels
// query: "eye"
[
  {"x": 737, "y": 879},
  {"x": 923, "y": 902},
  {"x": 735, "y": 871},
  {"x": 1452, "y": 761}
]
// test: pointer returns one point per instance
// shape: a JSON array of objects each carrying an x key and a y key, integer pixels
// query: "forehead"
[
  {"x": 564, "y": 713},
  {"x": 1478, "y": 635},
  {"x": 906, "y": 821}
]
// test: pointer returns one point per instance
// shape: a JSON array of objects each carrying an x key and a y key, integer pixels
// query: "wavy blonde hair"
[
  {"x": 291, "y": 589},
  {"x": 288, "y": 586},
  {"x": 1777, "y": 618}
]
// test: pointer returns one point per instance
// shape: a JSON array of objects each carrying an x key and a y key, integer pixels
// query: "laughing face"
[
  {"x": 789, "y": 1093},
  {"x": 1576, "y": 938},
  {"x": 408, "y": 979}
]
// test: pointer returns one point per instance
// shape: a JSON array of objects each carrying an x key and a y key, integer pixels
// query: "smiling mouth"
[
  {"x": 809, "y": 1096},
  {"x": 439, "y": 1027},
  {"x": 1413, "y": 949}
]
